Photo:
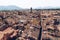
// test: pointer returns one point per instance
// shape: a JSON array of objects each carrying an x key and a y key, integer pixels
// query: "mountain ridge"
[{"x": 10, "y": 7}]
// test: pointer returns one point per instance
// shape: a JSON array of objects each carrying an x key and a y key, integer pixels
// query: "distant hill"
[
  {"x": 48, "y": 7},
  {"x": 9, "y": 8}
]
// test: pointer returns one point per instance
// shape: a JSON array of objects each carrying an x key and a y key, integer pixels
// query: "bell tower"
[{"x": 31, "y": 10}]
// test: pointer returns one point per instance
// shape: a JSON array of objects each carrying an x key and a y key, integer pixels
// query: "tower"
[{"x": 31, "y": 10}]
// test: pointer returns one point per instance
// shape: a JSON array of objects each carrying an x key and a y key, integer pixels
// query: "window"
[{"x": 56, "y": 22}]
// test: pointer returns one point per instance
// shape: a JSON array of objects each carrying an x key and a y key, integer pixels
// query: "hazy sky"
[{"x": 31, "y": 3}]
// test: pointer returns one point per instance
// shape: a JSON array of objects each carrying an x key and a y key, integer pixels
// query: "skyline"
[{"x": 31, "y": 3}]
